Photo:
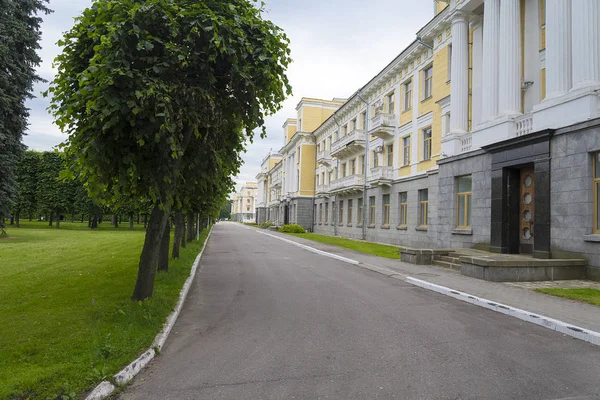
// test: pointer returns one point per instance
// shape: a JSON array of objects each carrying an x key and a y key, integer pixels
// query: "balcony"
[
  {"x": 276, "y": 181},
  {"x": 273, "y": 203},
  {"x": 381, "y": 176},
  {"x": 323, "y": 190},
  {"x": 347, "y": 184},
  {"x": 324, "y": 158},
  {"x": 524, "y": 124},
  {"x": 383, "y": 125},
  {"x": 348, "y": 145}
]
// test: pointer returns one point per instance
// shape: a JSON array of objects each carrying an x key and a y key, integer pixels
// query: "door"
[
  {"x": 527, "y": 210},
  {"x": 286, "y": 215}
]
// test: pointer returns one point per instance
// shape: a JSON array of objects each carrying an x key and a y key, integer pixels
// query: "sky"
[{"x": 336, "y": 45}]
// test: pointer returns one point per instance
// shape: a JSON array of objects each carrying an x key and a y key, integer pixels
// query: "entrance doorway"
[
  {"x": 526, "y": 215},
  {"x": 286, "y": 214}
]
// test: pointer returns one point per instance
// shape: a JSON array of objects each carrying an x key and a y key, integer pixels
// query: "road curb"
[
  {"x": 312, "y": 249},
  {"x": 541, "y": 320},
  {"x": 106, "y": 388}
]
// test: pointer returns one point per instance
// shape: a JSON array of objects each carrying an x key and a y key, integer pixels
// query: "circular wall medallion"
[
  {"x": 527, "y": 198},
  {"x": 527, "y": 215},
  {"x": 526, "y": 233},
  {"x": 528, "y": 180}
]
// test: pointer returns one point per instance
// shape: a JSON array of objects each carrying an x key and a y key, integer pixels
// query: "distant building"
[{"x": 244, "y": 203}]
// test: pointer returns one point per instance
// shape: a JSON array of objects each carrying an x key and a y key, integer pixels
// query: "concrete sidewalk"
[{"x": 579, "y": 314}]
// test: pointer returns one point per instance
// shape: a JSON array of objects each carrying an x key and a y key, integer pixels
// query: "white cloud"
[{"x": 337, "y": 46}]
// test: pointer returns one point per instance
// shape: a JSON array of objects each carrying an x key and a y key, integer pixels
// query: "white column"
[
  {"x": 558, "y": 47},
  {"x": 459, "y": 86},
  {"x": 585, "y": 17},
  {"x": 477, "y": 26},
  {"x": 489, "y": 79},
  {"x": 509, "y": 74}
]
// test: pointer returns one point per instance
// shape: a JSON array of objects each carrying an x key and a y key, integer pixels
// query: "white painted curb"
[
  {"x": 541, "y": 320},
  {"x": 312, "y": 249},
  {"x": 105, "y": 388}
]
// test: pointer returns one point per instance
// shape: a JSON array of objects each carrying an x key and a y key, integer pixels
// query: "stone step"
[
  {"x": 450, "y": 259},
  {"x": 446, "y": 264}
]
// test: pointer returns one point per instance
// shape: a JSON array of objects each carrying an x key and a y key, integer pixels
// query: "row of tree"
[{"x": 159, "y": 99}]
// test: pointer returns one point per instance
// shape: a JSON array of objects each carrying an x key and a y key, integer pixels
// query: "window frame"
[
  {"x": 427, "y": 82},
  {"x": 320, "y": 213},
  {"x": 426, "y": 143},
  {"x": 406, "y": 150},
  {"x": 372, "y": 210},
  {"x": 403, "y": 208},
  {"x": 390, "y": 154},
  {"x": 390, "y": 99},
  {"x": 407, "y": 89},
  {"x": 449, "y": 63},
  {"x": 349, "y": 217},
  {"x": 326, "y": 213},
  {"x": 595, "y": 188},
  {"x": 464, "y": 198},
  {"x": 386, "y": 209},
  {"x": 423, "y": 208},
  {"x": 359, "y": 211}
]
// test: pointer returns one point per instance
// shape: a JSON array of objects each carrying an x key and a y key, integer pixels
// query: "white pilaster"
[
  {"x": 509, "y": 74},
  {"x": 459, "y": 86},
  {"x": 476, "y": 25},
  {"x": 558, "y": 47},
  {"x": 585, "y": 17},
  {"x": 489, "y": 79}
]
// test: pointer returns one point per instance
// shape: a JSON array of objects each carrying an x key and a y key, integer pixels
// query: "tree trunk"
[
  {"x": 51, "y": 219},
  {"x": 131, "y": 222},
  {"x": 144, "y": 285},
  {"x": 100, "y": 217},
  {"x": 17, "y": 219},
  {"x": 179, "y": 233},
  {"x": 183, "y": 229},
  {"x": 82, "y": 217},
  {"x": 145, "y": 221},
  {"x": 163, "y": 252},
  {"x": 12, "y": 219},
  {"x": 94, "y": 223},
  {"x": 115, "y": 221},
  {"x": 139, "y": 219},
  {"x": 57, "y": 218},
  {"x": 190, "y": 227}
]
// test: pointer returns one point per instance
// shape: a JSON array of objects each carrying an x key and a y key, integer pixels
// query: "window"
[
  {"x": 446, "y": 123},
  {"x": 359, "y": 217},
  {"x": 449, "y": 62},
  {"x": 315, "y": 215},
  {"x": 341, "y": 212},
  {"x": 403, "y": 208},
  {"x": 427, "y": 143},
  {"x": 321, "y": 213},
  {"x": 361, "y": 161},
  {"x": 390, "y": 155},
  {"x": 386, "y": 209},
  {"x": 423, "y": 203},
  {"x": 343, "y": 170},
  {"x": 363, "y": 119},
  {"x": 247, "y": 208},
  {"x": 317, "y": 179},
  {"x": 326, "y": 213},
  {"x": 596, "y": 193},
  {"x": 330, "y": 176},
  {"x": 352, "y": 167},
  {"x": 406, "y": 150},
  {"x": 349, "y": 211},
  {"x": 248, "y": 201},
  {"x": 390, "y": 100},
  {"x": 372, "y": 210},
  {"x": 344, "y": 130},
  {"x": 353, "y": 125},
  {"x": 427, "y": 82},
  {"x": 407, "y": 95},
  {"x": 323, "y": 177},
  {"x": 375, "y": 159},
  {"x": 463, "y": 202}
]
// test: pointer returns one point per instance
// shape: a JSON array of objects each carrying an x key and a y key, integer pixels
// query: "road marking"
[
  {"x": 541, "y": 320},
  {"x": 312, "y": 249}
]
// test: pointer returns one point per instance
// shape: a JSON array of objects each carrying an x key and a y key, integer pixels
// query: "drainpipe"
[
  {"x": 365, "y": 166},
  {"x": 312, "y": 222}
]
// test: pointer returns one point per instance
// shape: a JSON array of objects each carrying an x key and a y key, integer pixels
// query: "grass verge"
[
  {"x": 591, "y": 296},
  {"x": 380, "y": 250},
  {"x": 66, "y": 319}
]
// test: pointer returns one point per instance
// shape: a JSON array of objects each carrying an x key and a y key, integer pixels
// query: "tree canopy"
[
  {"x": 159, "y": 97},
  {"x": 20, "y": 33}
]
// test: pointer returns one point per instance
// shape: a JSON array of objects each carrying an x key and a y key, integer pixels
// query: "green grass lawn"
[
  {"x": 591, "y": 296},
  {"x": 66, "y": 319},
  {"x": 376, "y": 249}
]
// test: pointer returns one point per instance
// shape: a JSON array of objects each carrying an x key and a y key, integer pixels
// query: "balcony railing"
[
  {"x": 347, "y": 184},
  {"x": 324, "y": 158},
  {"x": 349, "y": 144},
  {"x": 276, "y": 182},
  {"x": 381, "y": 176},
  {"x": 465, "y": 143},
  {"x": 524, "y": 124},
  {"x": 383, "y": 125},
  {"x": 322, "y": 189}
]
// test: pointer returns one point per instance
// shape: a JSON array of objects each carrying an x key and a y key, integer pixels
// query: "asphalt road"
[{"x": 268, "y": 320}]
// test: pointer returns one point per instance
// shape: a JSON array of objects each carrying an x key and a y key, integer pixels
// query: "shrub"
[
  {"x": 266, "y": 225},
  {"x": 292, "y": 228}
]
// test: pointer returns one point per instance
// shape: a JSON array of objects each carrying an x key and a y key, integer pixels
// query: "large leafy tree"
[
  {"x": 55, "y": 195},
  {"x": 140, "y": 83},
  {"x": 27, "y": 177},
  {"x": 19, "y": 40}
]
